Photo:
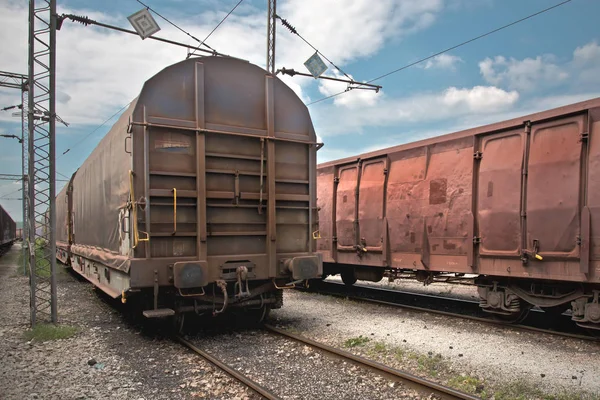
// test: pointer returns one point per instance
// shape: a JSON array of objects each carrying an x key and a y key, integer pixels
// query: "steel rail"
[
  {"x": 230, "y": 371},
  {"x": 413, "y": 381},
  {"x": 315, "y": 288}
]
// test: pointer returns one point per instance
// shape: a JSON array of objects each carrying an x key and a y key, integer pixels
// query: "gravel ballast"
[
  {"x": 106, "y": 358},
  {"x": 498, "y": 356}
]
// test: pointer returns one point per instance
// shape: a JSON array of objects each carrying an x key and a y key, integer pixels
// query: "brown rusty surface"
[
  {"x": 221, "y": 158},
  {"x": 8, "y": 228},
  {"x": 477, "y": 200}
]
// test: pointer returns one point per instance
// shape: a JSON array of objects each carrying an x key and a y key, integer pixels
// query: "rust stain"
[
  {"x": 490, "y": 190},
  {"x": 413, "y": 237},
  {"x": 429, "y": 229},
  {"x": 437, "y": 191},
  {"x": 449, "y": 246}
]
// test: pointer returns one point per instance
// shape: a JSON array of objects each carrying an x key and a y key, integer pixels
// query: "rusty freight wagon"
[
  {"x": 516, "y": 202},
  {"x": 202, "y": 196},
  {"x": 8, "y": 231}
]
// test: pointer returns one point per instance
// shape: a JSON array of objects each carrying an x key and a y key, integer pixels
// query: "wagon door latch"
[{"x": 526, "y": 254}]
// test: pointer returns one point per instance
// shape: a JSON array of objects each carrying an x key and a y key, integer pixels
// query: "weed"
[
  {"x": 357, "y": 341},
  {"x": 400, "y": 353},
  {"x": 42, "y": 257},
  {"x": 46, "y": 332},
  {"x": 379, "y": 347},
  {"x": 429, "y": 364},
  {"x": 468, "y": 384}
]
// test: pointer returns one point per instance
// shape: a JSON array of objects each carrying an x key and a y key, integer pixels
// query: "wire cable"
[
  {"x": 285, "y": 23},
  {"x": 214, "y": 29},
  {"x": 96, "y": 129},
  {"x": 182, "y": 30},
  {"x": 448, "y": 49}
]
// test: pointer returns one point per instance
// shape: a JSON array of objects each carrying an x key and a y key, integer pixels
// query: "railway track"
[
  {"x": 536, "y": 321},
  {"x": 420, "y": 385}
]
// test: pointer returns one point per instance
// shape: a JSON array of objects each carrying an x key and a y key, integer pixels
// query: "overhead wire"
[
  {"x": 127, "y": 105},
  {"x": 292, "y": 29},
  {"x": 447, "y": 49},
  {"x": 214, "y": 29},
  {"x": 95, "y": 130},
  {"x": 175, "y": 25}
]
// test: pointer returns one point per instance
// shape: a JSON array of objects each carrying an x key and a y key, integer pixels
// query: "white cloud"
[
  {"x": 443, "y": 61},
  {"x": 586, "y": 63},
  {"x": 101, "y": 70},
  {"x": 452, "y": 103},
  {"x": 523, "y": 74},
  {"x": 479, "y": 98},
  {"x": 587, "y": 54}
]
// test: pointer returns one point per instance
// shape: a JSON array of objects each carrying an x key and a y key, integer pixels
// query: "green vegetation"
[
  {"x": 379, "y": 347},
  {"x": 521, "y": 390},
  {"x": 436, "y": 366},
  {"x": 468, "y": 384},
  {"x": 41, "y": 256},
  {"x": 46, "y": 332},
  {"x": 357, "y": 341},
  {"x": 431, "y": 364}
]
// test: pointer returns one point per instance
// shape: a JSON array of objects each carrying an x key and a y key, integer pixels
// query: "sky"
[{"x": 542, "y": 63}]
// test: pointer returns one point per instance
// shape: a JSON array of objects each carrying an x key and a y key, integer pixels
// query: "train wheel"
[
  {"x": 515, "y": 318},
  {"x": 178, "y": 323},
  {"x": 349, "y": 278}
]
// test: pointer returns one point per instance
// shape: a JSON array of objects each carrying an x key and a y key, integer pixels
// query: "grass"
[
  {"x": 521, "y": 390},
  {"x": 431, "y": 364},
  {"x": 47, "y": 332},
  {"x": 41, "y": 259},
  {"x": 357, "y": 341},
  {"x": 468, "y": 384}
]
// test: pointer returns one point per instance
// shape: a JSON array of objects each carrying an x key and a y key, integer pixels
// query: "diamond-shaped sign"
[
  {"x": 315, "y": 65},
  {"x": 143, "y": 23}
]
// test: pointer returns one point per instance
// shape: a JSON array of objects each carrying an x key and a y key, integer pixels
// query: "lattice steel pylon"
[
  {"x": 42, "y": 120},
  {"x": 271, "y": 30},
  {"x": 21, "y": 82}
]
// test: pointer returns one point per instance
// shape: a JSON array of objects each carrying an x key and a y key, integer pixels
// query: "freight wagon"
[
  {"x": 202, "y": 196},
  {"x": 517, "y": 203},
  {"x": 8, "y": 231}
]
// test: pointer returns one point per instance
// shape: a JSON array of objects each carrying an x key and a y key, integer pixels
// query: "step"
[{"x": 159, "y": 313}]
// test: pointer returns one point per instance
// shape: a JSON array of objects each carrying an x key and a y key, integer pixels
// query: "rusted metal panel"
[
  {"x": 529, "y": 184},
  {"x": 371, "y": 203},
  {"x": 346, "y": 207},
  {"x": 593, "y": 191},
  {"x": 553, "y": 189},
  {"x": 220, "y": 162},
  {"x": 499, "y": 194}
]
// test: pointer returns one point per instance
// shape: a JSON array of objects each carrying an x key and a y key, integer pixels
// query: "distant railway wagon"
[
  {"x": 19, "y": 235},
  {"x": 516, "y": 202},
  {"x": 202, "y": 196},
  {"x": 8, "y": 231}
]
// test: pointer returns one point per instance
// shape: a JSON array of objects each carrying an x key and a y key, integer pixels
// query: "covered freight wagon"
[
  {"x": 516, "y": 202},
  {"x": 201, "y": 197},
  {"x": 8, "y": 231}
]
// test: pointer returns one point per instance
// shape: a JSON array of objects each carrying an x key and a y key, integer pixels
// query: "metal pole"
[
  {"x": 271, "y": 24},
  {"x": 31, "y": 173},
  {"x": 42, "y": 121},
  {"x": 24, "y": 178},
  {"x": 52, "y": 149}
]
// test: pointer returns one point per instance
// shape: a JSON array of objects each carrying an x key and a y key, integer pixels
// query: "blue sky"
[{"x": 548, "y": 61}]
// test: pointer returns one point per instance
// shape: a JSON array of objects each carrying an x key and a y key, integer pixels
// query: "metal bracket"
[
  {"x": 336, "y": 179},
  {"x": 478, "y": 155},
  {"x": 583, "y": 137},
  {"x": 476, "y": 240}
]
